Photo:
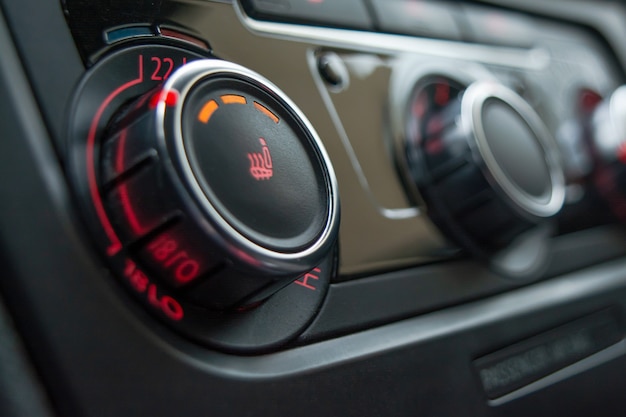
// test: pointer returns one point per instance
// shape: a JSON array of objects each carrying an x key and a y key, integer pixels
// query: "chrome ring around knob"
[
  {"x": 474, "y": 102},
  {"x": 240, "y": 246}
]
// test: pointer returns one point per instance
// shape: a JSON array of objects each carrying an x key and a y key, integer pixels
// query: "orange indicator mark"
[
  {"x": 207, "y": 111},
  {"x": 266, "y": 112},
  {"x": 233, "y": 99}
]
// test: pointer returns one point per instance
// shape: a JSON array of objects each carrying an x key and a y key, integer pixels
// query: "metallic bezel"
[
  {"x": 472, "y": 105},
  {"x": 240, "y": 247}
]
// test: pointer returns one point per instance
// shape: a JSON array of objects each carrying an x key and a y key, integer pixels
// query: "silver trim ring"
[
  {"x": 182, "y": 81},
  {"x": 472, "y": 105}
]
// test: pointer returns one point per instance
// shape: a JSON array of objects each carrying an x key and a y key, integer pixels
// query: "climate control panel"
[{"x": 201, "y": 162}]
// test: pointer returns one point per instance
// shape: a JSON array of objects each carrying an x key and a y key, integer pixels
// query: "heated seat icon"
[{"x": 261, "y": 163}]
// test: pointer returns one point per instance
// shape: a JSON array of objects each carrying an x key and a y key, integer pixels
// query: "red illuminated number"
[
  {"x": 163, "y": 248},
  {"x": 172, "y": 308},
  {"x": 187, "y": 271},
  {"x": 136, "y": 277},
  {"x": 155, "y": 75},
  {"x": 130, "y": 268},
  {"x": 171, "y": 261},
  {"x": 163, "y": 68},
  {"x": 165, "y": 251},
  {"x": 140, "y": 282},
  {"x": 170, "y": 67}
]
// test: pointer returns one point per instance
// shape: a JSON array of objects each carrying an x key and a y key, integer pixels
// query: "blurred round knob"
[{"x": 488, "y": 168}]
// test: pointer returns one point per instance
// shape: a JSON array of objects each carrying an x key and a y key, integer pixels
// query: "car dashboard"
[{"x": 312, "y": 207}]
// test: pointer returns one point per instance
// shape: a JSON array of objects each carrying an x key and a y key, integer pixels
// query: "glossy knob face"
[
  {"x": 217, "y": 179},
  {"x": 484, "y": 162}
]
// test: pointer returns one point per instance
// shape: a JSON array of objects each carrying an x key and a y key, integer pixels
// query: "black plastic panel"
[
  {"x": 51, "y": 61},
  {"x": 99, "y": 354}
]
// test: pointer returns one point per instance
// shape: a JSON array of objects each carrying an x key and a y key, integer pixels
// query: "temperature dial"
[
  {"x": 485, "y": 163},
  {"x": 209, "y": 192},
  {"x": 216, "y": 170}
]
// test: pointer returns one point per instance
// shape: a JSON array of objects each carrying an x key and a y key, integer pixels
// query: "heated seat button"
[
  {"x": 180, "y": 254},
  {"x": 344, "y": 13},
  {"x": 253, "y": 166}
]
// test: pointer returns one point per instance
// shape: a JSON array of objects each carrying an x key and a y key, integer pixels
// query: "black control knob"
[
  {"x": 216, "y": 180},
  {"x": 487, "y": 167},
  {"x": 206, "y": 191}
]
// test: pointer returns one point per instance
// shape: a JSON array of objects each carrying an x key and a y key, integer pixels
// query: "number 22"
[{"x": 161, "y": 63}]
